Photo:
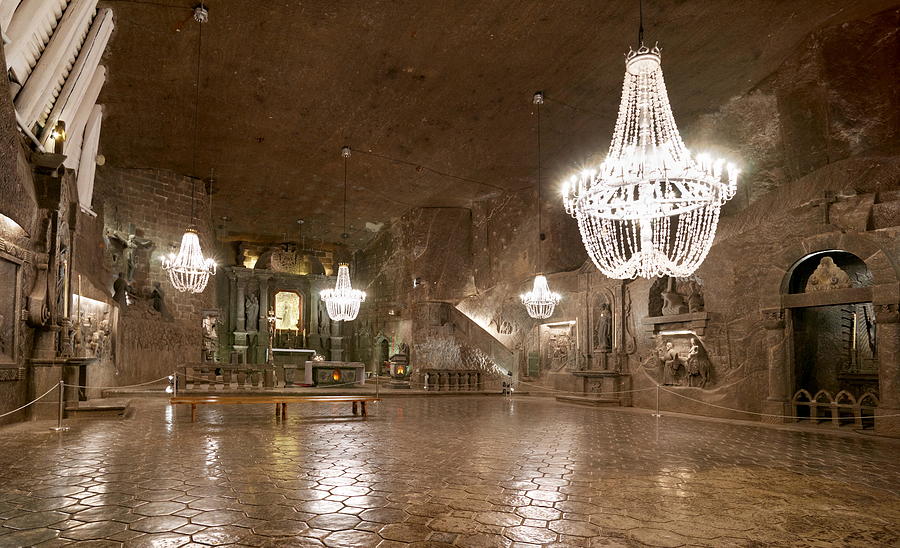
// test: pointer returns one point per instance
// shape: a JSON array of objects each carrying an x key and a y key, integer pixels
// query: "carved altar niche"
[{"x": 558, "y": 346}]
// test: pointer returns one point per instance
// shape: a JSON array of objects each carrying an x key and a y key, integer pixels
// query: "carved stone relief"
[
  {"x": 828, "y": 276},
  {"x": 672, "y": 296},
  {"x": 681, "y": 360}
]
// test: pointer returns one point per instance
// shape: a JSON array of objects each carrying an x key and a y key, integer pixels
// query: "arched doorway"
[
  {"x": 833, "y": 326},
  {"x": 382, "y": 352}
]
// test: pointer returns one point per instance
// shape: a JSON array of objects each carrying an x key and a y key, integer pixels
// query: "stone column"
[
  {"x": 887, "y": 321},
  {"x": 778, "y": 400},
  {"x": 262, "y": 344},
  {"x": 241, "y": 323}
]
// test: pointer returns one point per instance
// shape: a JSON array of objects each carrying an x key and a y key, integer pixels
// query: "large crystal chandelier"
[
  {"x": 342, "y": 302},
  {"x": 650, "y": 209},
  {"x": 189, "y": 270},
  {"x": 540, "y": 301}
]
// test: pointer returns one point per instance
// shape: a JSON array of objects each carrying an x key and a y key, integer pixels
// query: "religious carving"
[
  {"x": 9, "y": 292},
  {"x": 603, "y": 329},
  {"x": 695, "y": 298},
  {"x": 128, "y": 243},
  {"x": 251, "y": 311},
  {"x": 120, "y": 290},
  {"x": 887, "y": 313},
  {"x": 671, "y": 363},
  {"x": 827, "y": 276},
  {"x": 697, "y": 366},
  {"x": 285, "y": 259},
  {"x": 670, "y": 296},
  {"x": 210, "y": 336},
  {"x": 673, "y": 302},
  {"x": 158, "y": 300}
]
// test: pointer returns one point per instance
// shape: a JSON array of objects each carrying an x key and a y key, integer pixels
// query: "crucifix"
[{"x": 129, "y": 242}]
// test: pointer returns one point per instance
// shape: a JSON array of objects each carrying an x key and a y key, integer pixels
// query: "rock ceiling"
[{"x": 434, "y": 96}]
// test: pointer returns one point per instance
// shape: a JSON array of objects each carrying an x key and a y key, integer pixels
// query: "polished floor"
[{"x": 449, "y": 471}]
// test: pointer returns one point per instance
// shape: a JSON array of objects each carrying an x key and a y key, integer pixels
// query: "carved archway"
[{"x": 777, "y": 305}]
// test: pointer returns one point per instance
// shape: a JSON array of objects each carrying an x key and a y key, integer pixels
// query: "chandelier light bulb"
[
  {"x": 342, "y": 302},
  {"x": 189, "y": 271},
  {"x": 540, "y": 301},
  {"x": 650, "y": 209}
]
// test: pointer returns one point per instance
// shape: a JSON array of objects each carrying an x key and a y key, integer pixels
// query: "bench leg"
[
  {"x": 193, "y": 412},
  {"x": 354, "y": 408},
  {"x": 283, "y": 410},
  {"x": 362, "y": 405},
  {"x": 277, "y": 410}
]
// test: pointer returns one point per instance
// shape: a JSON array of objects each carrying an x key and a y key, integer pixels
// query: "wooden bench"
[{"x": 281, "y": 402}]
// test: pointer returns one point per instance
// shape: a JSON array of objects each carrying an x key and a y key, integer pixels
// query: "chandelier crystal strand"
[
  {"x": 650, "y": 209},
  {"x": 342, "y": 302},
  {"x": 189, "y": 270},
  {"x": 540, "y": 301}
]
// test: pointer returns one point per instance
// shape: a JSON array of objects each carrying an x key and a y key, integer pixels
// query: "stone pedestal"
[{"x": 610, "y": 385}]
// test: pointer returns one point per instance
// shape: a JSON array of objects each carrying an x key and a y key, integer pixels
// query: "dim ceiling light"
[{"x": 650, "y": 209}]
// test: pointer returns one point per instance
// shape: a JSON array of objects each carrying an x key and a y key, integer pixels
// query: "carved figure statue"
[
  {"x": 251, "y": 309},
  {"x": 827, "y": 276},
  {"x": 695, "y": 299},
  {"x": 129, "y": 243},
  {"x": 673, "y": 302},
  {"x": 603, "y": 333},
  {"x": 671, "y": 364},
  {"x": 697, "y": 366},
  {"x": 120, "y": 290},
  {"x": 210, "y": 338},
  {"x": 158, "y": 299}
]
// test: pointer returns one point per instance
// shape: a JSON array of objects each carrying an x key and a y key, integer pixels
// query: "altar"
[
  {"x": 334, "y": 373},
  {"x": 288, "y": 360}
]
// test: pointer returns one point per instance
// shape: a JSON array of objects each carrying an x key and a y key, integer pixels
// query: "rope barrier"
[
  {"x": 758, "y": 414},
  {"x": 114, "y": 387},
  {"x": 55, "y": 386}
]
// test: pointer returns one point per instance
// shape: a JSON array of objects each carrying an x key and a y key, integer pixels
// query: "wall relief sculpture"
[
  {"x": 603, "y": 320},
  {"x": 828, "y": 276},
  {"x": 209, "y": 326},
  {"x": 680, "y": 360},
  {"x": 672, "y": 296},
  {"x": 126, "y": 243}
]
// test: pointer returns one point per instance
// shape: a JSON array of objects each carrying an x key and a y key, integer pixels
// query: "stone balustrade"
[
  {"x": 453, "y": 380},
  {"x": 839, "y": 409}
]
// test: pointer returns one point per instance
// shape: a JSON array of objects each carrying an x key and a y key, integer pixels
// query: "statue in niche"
[
  {"x": 828, "y": 276},
  {"x": 120, "y": 290},
  {"x": 673, "y": 302},
  {"x": 128, "y": 243},
  {"x": 251, "y": 311},
  {"x": 324, "y": 320},
  {"x": 697, "y": 365},
  {"x": 210, "y": 337},
  {"x": 603, "y": 328},
  {"x": 695, "y": 299},
  {"x": 671, "y": 364}
]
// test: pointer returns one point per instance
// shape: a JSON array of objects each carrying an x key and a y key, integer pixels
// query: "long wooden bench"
[{"x": 281, "y": 402}]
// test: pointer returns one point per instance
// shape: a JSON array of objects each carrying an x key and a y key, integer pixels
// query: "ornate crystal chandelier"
[
  {"x": 650, "y": 209},
  {"x": 342, "y": 302},
  {"x": 189, "y": 271},
  {"x": 540, "y": 301}
]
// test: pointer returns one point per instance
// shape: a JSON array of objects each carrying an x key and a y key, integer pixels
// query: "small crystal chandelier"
[
  {"x": 540, "y": 301},
  {"x": 650, "y": 209},
  {"x": 342, "y": 302},
  {"x": 189, "y": 270}
]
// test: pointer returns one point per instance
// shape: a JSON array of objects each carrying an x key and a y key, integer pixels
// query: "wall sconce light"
[
  {"x": 417, "y": 282},
  {"x": 59, "y": 137}
]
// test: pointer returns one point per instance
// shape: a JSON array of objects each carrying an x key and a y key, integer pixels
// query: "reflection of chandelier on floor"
[
  {"x": 540, "y": 301},
  {"x": 342, "y": 302},
  {"x": 189, "y": 270},
  {"x": 649, "y": 209}
]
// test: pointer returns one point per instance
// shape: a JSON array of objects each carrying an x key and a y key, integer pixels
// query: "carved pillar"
[
  {"x": 262, "y": 344},
  {"x": 778, "y": 400},
  {"x": 887, "y": 320},
  {"x": 241, "y": 324}
]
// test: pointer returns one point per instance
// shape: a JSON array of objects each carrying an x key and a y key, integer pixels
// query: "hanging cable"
[
  {"x": 539, "y": 100},
  {"x": 641, "y": 25}
]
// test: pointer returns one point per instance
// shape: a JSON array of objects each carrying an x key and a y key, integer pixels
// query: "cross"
[
  {"x": 828, "y": 198},
  {"x": 129, "y": 242}
]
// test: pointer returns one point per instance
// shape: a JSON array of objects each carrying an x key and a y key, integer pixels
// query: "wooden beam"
[
  {"x": 87, "y": 164},
  {"x": 82, "y": 72},
  {"x": 73, "y": 145},
  {"x": 35, "y": 94},
  {"x": 29, "y": 31},
  {"x": 825, "y": 298}
]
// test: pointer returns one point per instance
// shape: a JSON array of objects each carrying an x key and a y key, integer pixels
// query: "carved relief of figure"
[
  {"x": 120, "y": 290},
  {"x": 210, "y": 338},
  {"x": 129, "y": 243},
  {"x": 697, "y": 366},
  {"x": 695, "y": 299},
  {"x": 251, "y": 310},
  {"x": 673, "y": 302},
  {"x": 158, "y": 300},
  {"x": 827, "y": 276},
  {"x": 603, "y": 329},
  {"x": 671, "y": 364}
]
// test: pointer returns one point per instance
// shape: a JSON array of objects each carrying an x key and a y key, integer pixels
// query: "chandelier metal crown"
[
  {"x": 650, "y": 209},
  {"x": 189, "y": 271},
  {"x": 342, "y": 302}
]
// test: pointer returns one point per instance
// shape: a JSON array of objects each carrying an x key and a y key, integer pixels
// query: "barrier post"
[
  {"x": 175, "y": 383},
  {"x": 59, "y": 415},
  {"x": 657, "y": 414}
]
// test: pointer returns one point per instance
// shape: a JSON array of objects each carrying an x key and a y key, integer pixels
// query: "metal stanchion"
[
  {"x": 657, "y": 414},
  {"x": 59, "y": 417},
  {"x": 175, "y": 383},
  {"x": 377, "y": 384}
]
